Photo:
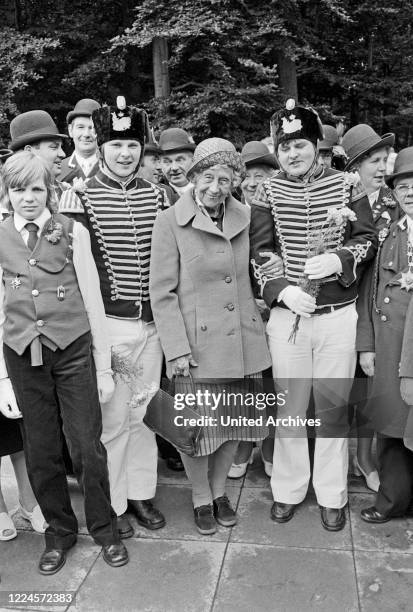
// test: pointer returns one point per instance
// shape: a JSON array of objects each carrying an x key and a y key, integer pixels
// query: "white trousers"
[
  {"x": 323, "y": 358},
  {"x": 131, "y": 446}
]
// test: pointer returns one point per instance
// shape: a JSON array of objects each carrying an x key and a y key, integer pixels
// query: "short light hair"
[{"x": 23, "y": 168}]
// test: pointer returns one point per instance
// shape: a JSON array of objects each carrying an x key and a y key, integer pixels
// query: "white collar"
[
  {"x": 373, "y": 197},
  {"x": 89, "y": 161},
  {"x": 20, "y": 222}
]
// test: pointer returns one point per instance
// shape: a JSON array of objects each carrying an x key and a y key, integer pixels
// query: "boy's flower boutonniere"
[
  {"x": 352, "y": 179},
  {"x": 54, "y": 231}
]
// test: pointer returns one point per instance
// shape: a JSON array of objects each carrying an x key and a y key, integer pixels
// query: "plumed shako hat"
[
  {"x": 121, "y": 122},
  {"x": 294, "y": 122}
]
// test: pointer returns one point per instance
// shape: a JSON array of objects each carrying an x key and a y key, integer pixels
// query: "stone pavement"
[{"x": 257, "y": 566}]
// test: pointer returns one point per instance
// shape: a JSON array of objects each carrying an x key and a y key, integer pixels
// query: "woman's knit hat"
[{"x": 214, "y": 151}]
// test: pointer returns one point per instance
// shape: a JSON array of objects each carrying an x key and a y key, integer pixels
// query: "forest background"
[{"x": 213, "y": 67}]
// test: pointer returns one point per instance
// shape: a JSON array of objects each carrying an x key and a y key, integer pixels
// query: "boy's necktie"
[{"x": 32, "y": 228}]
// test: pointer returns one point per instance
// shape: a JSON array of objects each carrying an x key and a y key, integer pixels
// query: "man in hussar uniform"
[
  {"x": 84, "y": 161},
  {"x": 288, "y": 211},
  {"x": 119, "y": 209}
]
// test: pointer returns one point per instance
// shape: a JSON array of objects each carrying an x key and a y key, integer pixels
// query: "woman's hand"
[
  {"x": 274, "y": 266},
  {"x": 8, "y": 404},
  {"x": 180, "y": 365},
  {"x": 367, "y": 361}
]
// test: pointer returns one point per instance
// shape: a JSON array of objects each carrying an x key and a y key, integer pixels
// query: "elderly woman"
[
  {"x": 385, "y": 331},
  {"x": 367, "y": 154},
  {"x": 205, "y": 311}
]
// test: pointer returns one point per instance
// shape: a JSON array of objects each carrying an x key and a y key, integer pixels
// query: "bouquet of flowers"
[
  {"x": 125, "y": 371},
  {"x": 324, "y": 239}
]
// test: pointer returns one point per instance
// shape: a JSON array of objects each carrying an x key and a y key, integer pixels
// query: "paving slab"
[
  {"x": 277, "y": 579},
  {"x": 385, "y": 581},
  {"x": 162, "y": 576},
  {"x": 394, "y": 536},
  {"x": 303, "y": 531},
  {"x": 176, "y": 503},
  {"x": 19, "y": 558}
]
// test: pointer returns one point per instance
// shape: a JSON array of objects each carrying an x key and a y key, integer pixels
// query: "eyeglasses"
[{"x": 403, "y": 190}]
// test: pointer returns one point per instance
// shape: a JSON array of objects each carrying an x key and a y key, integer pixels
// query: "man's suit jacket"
[{"x": 71, "y": 169}]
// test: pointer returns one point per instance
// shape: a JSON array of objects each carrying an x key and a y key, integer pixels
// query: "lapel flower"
[
  {"x": 385, "y": 215},
  {"x": 352, "y": 179},
  {"x": 79, "y": 185},
  {"x": 383, "y": 233},
  {"x": 54, "y": 231},
  {"x": 388, "y": 200}
]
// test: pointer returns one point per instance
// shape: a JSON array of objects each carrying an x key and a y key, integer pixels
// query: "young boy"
[{"x": 51, "y": 318}]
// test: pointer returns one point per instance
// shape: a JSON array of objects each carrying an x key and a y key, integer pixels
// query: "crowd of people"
[{"x": 133, "y": 259}]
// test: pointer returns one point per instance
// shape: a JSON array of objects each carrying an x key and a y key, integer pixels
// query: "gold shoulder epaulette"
[{"x": 70, "y": 203}]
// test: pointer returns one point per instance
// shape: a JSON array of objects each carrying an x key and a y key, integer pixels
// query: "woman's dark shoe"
[
  {"x": 146, "y": 514},
  {"x": 204, "y": 519},
  {"x": 372, "y": 515},
  {"x": 116, "y": 554},
  {"x": 125, "y": 529},
  {"x": 332, "y": 519},
  {"x": 223, "y": 512},
  {"x": 282, "y": 513}
]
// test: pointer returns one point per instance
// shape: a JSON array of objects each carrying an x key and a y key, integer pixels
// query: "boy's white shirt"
[{"x": 89, "y": 286}]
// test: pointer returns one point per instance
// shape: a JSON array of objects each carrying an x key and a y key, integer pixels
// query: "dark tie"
[{"x": 32, "y": 228}]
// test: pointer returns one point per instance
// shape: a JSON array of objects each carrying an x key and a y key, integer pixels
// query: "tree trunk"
[
  {"x": 160, "y": 67},
  {"x": 287, "y": 75}
]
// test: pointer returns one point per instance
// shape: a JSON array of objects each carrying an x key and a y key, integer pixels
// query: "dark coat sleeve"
[
  {"x": 262, "y": 238},
  {"x": 360, "y": 242}
]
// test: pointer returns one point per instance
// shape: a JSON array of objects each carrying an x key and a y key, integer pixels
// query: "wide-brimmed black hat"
[
  {"x": 293, "y": 122},
  {"x": 83, "y": 108},
  {"x": 403, "y": 166},
  {"x": 256, "y": 153},
  {"x": 31, "y": 127},
  {"x": 120, "y": 122},
  {"x": 361, "y": 140}
]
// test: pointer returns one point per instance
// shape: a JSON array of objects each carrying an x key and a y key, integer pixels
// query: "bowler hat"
[
  {"x": 330, "y": 138},
  {"x": 173, "y": 140},
  {"x": 361, "y": 140},
  {"x": 32, "y": 126},
  {"x": 151, "y": 146},
  {"x": 215, "y": 151},
  {"x": 83, "y": 108},
  {"x": 402, "y": 166},
  {"x": 255, "y": 152}
]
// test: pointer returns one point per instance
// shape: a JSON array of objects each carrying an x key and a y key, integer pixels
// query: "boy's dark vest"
[{"x": 32, "y": 280}]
